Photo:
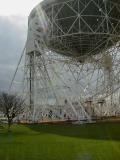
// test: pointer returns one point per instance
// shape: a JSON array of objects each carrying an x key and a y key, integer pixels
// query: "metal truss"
[
  {"x": 79, "y": 91},
  {"x": 81, "y": 27},
  {"x": 59, "y": 87},
  {"x": 103, "y": 18}
]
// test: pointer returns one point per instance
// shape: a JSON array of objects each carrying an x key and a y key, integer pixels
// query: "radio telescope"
[{"x": 72, "y": 60}]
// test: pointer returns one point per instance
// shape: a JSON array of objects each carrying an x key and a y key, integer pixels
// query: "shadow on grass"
[
  {"x": 15, "y": 130},
  {"x": 1, "y": 127},
  {"x": 99, "y": 131}
]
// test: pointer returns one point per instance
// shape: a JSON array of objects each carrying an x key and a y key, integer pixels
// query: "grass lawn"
[{"x": 61, "y": 142}]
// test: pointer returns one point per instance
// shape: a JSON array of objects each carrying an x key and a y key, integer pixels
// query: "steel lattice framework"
[
  {"x": 79, "y": 27},
  {"x": 83, "y": 80}
]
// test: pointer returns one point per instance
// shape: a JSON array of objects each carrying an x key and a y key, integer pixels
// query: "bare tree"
[{"x": 11, "y": 106}]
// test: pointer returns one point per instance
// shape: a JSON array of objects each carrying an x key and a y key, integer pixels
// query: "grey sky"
[{"x": 13, "y": 32}]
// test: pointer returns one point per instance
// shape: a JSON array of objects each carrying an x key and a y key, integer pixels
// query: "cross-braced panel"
[{"x": 76, "y": 25}]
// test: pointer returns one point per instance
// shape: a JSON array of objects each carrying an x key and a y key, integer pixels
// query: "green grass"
[{"x": 61, "y": 142}]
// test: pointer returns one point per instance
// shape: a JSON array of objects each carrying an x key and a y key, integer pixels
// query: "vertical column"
[{"x": 31, "y": 80}]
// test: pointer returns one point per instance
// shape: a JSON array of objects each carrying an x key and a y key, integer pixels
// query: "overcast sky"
[{"x": 13, "y": 33}]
